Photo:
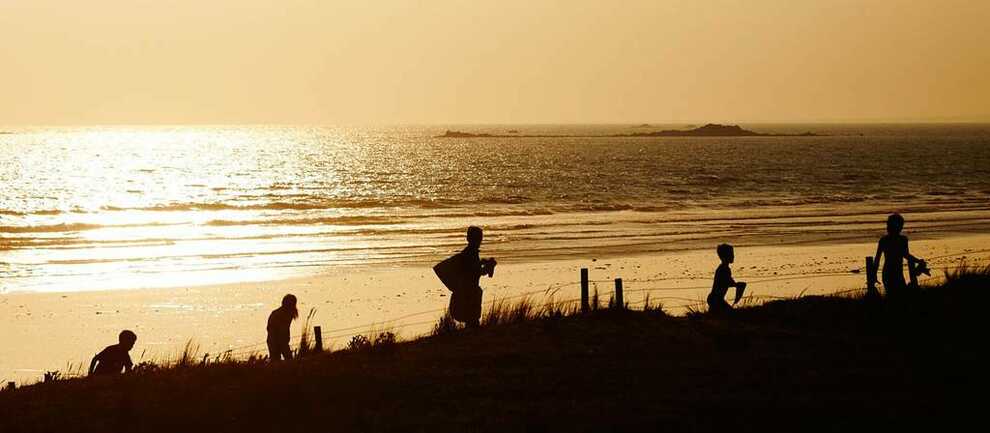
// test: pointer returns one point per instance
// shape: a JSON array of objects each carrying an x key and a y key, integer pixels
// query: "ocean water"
[{"x": 131, "y": 207}]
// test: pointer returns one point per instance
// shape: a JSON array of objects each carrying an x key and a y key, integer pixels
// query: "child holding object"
[
  {"x": 461, "y": 273},
  {"x": 722, "y": 281},
  {"x": 894, "y": 247}
]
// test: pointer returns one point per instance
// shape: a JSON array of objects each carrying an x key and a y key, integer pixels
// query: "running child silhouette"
[
  {"x": 723, "y": 280},
  {"x": 114, "y": 358},
  {"x": 894, "y": 247},
  {"x": 461, "y": 273}
]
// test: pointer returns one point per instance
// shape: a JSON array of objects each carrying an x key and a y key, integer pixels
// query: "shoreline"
[
  {"x": 213, "y": 261},
  {"x": 52, "y": 330}
]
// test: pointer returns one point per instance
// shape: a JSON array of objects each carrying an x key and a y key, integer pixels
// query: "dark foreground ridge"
[
  {"x": 709, "y": 130},
  {"x": 838, "y": 363}
]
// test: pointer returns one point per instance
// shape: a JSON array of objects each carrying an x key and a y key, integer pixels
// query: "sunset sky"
[{"x": 535, "y": 61}]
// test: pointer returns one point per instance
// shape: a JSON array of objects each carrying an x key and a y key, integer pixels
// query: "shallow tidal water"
[{"x": 131, "y": 207}]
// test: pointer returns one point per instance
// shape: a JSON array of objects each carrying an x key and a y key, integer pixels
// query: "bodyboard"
[
  {"x": 739, "y": 292},
  {"x": 451, "y": 272}
]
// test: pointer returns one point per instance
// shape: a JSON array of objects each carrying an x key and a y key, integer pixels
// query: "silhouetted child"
[
  {"x": 115, "y": 358},
  {"x": 278, "y": 329},
  {"x": 894, "y": 247},
  {"x": 722, "y": 281},
  {"x": 462, "y": 274}
]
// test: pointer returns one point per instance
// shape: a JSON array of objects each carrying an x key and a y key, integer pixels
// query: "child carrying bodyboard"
[
  {"x": 451, "y": 272},
  {"x": 461, "y": 273}
]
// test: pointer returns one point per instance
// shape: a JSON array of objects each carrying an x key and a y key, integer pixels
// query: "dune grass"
[
  {"x": 837, "y": 362},
  {"x": 503, "y": 312},
  {"x": 306, "y": 343}
]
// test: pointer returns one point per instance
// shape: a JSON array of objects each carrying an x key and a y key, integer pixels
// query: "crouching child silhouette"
[
  {"x": 461, "y": 273},
  {"x": 116, "y": 358},
  {"x": 722, "y": 281},
  {"x": 278, "y": 329}
]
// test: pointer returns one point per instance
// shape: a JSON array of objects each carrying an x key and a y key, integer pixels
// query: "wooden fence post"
[
  {"x": 871, "y": 278},
  {"x": 584, "y": 290},
  {"x": 619, "y": 303},
  {"x": 318, "y": 336},
  {"x": 870, "y": 281}
]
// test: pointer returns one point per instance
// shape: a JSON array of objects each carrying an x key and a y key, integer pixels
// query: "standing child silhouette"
[
  {"x": 894, "y": 247},
  {"x": 278, "y": 329}
]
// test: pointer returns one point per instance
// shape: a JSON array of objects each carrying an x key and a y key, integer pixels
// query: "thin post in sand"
[
  {"x": 871, "y": 281},
  {"x": 871, "y": 278},
  {"x": 318, "y": 337},
  {"x": 619, "y": 303},
  {"x": 584, "y": 290}
]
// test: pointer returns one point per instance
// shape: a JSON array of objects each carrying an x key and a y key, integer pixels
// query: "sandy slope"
[{"x": 49, "y": 330}]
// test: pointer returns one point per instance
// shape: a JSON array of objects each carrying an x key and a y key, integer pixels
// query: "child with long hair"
[{"x": 278, "y": 329}]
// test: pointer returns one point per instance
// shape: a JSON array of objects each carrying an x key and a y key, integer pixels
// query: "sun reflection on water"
[{"x": 126, "y": 207}]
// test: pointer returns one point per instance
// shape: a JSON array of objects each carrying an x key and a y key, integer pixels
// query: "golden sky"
[{"x": 536, "y": 61}]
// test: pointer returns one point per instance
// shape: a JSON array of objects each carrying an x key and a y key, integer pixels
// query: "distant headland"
[
  {"x": 709, "y": 130},
  {"x": 713, "y": 130}
]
